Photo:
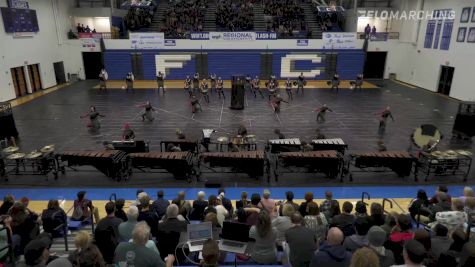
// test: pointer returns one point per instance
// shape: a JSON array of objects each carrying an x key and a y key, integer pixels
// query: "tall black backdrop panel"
[
  {"x": 465, "y": 120},
  {"x": 237, "y": 92},
  {"x": 7, "y": 122}
]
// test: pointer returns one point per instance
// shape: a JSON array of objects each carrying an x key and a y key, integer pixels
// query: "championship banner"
[
  {"x": 232, "y": 36},
  {"x": 339, "y": 40},
  {"x": 146, "y": 40}
]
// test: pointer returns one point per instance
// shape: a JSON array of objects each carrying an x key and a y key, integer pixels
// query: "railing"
[
  {"x": 93, "y": 3},
  {"x": 363, "y": 195},
  {"x": 380, "y": 36}
]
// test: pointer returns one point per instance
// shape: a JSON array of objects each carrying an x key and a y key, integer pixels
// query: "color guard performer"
[
  {"x": 288, "y": 89},
  {"x": 272, "y": 88},
  {"x": 255, "y": 87},
  {"x": 195, "y": 104},
  {"x": 180, "y": 135},
  {"x": 148, "y": 109},
  {"x": 188, "y": 85},
  {"x": 128, "y": 134},
  {"x": 196, "y": 83},
  {"x": 383, "y": 118},
  {"x": 103, "y": 77},
  {"x": 160, "y": 82},
  {"x": 248, "y": 83},
  {"x": 321, "y": 113},
  {"x": 204, "y": 90},
  {"x": 219, "y": 88},
  {"x": 129, "y": 81},
  {"x": 276, "y": 101},
  {"x": 213, "y": 82},
  {"x": 242, "y": 131},
  {"x": 335, "y": 82},
  {"x": 359, "y": 81},
  {"x": 93, "y": 115},
  {"x": 301, "y": 82}
]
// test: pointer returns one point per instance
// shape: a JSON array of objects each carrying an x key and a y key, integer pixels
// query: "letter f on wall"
[{"x": 164, "y": 63}]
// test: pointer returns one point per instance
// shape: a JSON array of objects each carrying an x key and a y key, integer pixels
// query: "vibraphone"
[
  {"x": 112, "y": 163},
  {"x": 253, "y": 163},
  {"x": 400, "y": 162},
  {"x": 185, "y": 145},
  {"x": 329, "y": 162},
  {"x": 128, "y": 146},
  {"x": 446, "y": 163},
  {"x": 284, "y": 145},
  {"x": 180, "y": 164},
  {"x": 330, "y": 144}
]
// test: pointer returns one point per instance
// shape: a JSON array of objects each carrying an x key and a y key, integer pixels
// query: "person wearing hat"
[
  {"x": 376, "y": 238},
  {"x": 414, "y": 254},
  {"x": 36, "y": 254}
]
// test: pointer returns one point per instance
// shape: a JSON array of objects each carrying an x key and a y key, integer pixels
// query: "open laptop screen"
[
  {"x": 199, "y": 231},
  {"x": 235, "y": 231}
]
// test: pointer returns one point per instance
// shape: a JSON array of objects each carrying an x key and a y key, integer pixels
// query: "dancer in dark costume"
[
  {"x": 213, "y": 82},
  {"x": 188, "y": 85},
  {"x": 383, "y": 119},
  {"x": 301, "y": 83},
  {"x": 93, "y": 115},
  {"x": 195, "y": 104},
  {"x": 219, "y": 88},
  {"x": 161, "y": 82},
  {"x": 129, "y": 81},
  {"x": 276, "y": 101},
  {"x": 288, "y": 89},
  {"x": 255, "y": 87},
  {"x": 148, "y": 109},
  {"x": 335, "y": 82},
  {"x": 321, "y": 113},
  {"x": 196, "y": 83},
  {"x": 204, "y": 90},
  {"x": 103, "y": 77},
  {"x": 128, "y": 134}
]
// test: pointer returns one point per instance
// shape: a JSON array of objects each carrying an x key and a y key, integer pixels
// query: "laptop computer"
[
  {"x": 234, "y": 237},
  {"x": 197, "y": 234}
]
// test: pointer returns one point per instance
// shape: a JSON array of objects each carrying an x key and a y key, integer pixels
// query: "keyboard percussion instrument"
[
  {"x": 329, "y": 162},
  {"x": 284, "y": 145},
  {"x": 401, "y": 162},
  {"x": 180, "y": 164},
  {"x": 250, "y": 162},
  {"x": 183, "y": 144},
  {"x": 112, "y": 163},
  {"x": 128, "y": 146},
  {"x": 330, "y": 144}
]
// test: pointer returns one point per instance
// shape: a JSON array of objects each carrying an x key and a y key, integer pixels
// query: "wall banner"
[
  {"x": 146, "y": 40},
  {"x": 339, "y": 40}
]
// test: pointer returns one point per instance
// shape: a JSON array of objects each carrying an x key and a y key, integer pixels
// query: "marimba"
[
  {"x": 400, "y": 162},
  {"x": 131, "y": 146},
  {"x": 330, "y": 144},
  {"x": 250, "y": 162},
  {"x": 180, "y": 164},
  {"x": 112, "y": 163},
  {"x": 284, "y": 145},
  {"x": 329, "y": 162},
  {"x": 185, "y": 145}
]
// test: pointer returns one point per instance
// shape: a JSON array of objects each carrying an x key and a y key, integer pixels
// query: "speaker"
[
  {"x": 7, "y": 122},
  {"x": 237, "y": 92}
]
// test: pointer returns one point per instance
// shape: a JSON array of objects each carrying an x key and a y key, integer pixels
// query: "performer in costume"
[
  {"x": 93, "y": 118},
  {"x": 160, "y": 82},
  {"x": 213, "y": 82},
  {"x": 129, "y": 80},
  {"x": 219, "y": 88},
  {"x": 180, "y": 135},
  {"x": 173, "y": 148},
  {"x": 301, "y": 83},
  {"x": 276, "y": 101},
  {"x": 288, "y": 89},
  {"x": 321, "y": 113},
  {"x": 147, "y": 113},
  {"x": 188, "y": 85},
  {"x": 196, "y": 83},
  {"x": 306, "y": 147},
  {"x": 271, "y": 88},
  {"x": 359, "y": 81},
  {"x": 128, "y": 134},
  {"x": 242, "y": 131},
  {"x": 335, "y": 82},
  {"x": 279, "y": 134},
  {"x": 248, "y": 83},
  {"x": 103, "y": 77},
  {"x": 195, "y": 104},
  {"x": 383, "y": 118},
  {"x": 381, "y": 146},
  {"x": 204, "y": 90},
  {"x": 255, "y": 87}
]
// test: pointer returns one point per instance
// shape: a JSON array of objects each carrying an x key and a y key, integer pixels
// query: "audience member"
[
  {"x": 420, "y": 205},
  {"x": 54, "y": 219},
  {"x": 452, "y": 219},
  {"x": 346, "y": 220},
  {"x": 301, "y": 241},
  {"x": 303, "y": 207},
  {"x": 126, "y": 227},
  {"x": 440, "y": 189},
  {"x": 148, "y": 215},
  {"x": 467, "y": 193},
  {"x": 243, "y": 202},
  {"x": 287, "y": 17},
  {"x": 183, "y": 17},
  {"x": 169, "y": 231},
  {"x": 119, "y": 209},
  {"x": 160, "y": 205},
  {"x": 106, "y": 234},
  {"x": 455, "y": 249},
  {"x": 365, "y": 257},
  {"x": 235, "y": 15},
  {"x": 225, "y": 201},
  {"x": 399, "y": 236},
  {"x": 37, "y": 255},
  {"x": 199, "y": 206},
  {"x": 283, "y": 223},
  {"x": 213, "y": 218},
  {"x": 8, "y": 202},
  {"x": 184, "y": 205},
  {"x": 82, "y": 208},
  {"x": 360, "y": 209},
  {"x": 360, "y": 238},
  {"x": 377, "y": 216},
  {"x": 440, "y": 242},
  {"x": 136, "y": 253},
  {"x": 332, "y": 253},
  {"x": 24, "y": 223},
  {"x": 210, "y": 254},
  {"x": 376, "y": 239},
  {"x": 253, "y": 210},
  {"x": 316, "y": 221},
  {"x": 265, "y": 236},
  {"x": 423, "y": 237},
  {"x": 268, "y": 204},
  {"x": 390, "y": 223},
  {"x": 470, "y": 207},
  {"x": 86, "y": 253},
  {"x": 467, "y": 257},
  {"x": 414, "y": 254},
  {"x": 443, "y": 204},
  {"x": 289, "y": 195}
]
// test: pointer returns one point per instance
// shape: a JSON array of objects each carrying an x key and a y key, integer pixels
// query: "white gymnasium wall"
[
  {"x": 419, "y": 66},
  {"x": 47, "y": 46}
]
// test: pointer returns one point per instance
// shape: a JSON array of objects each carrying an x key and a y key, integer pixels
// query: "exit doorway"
[
  {"x": 445, "y": 79},
  {"x": 19, "y": 81}
]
